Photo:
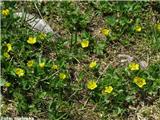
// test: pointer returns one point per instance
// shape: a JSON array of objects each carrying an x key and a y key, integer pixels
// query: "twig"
[
  {"x": 40, "y": 15},
  {"x": 49, "y": 76},
  {"x": 38, "y": 10},
  {"x": 103, "y": 71}
]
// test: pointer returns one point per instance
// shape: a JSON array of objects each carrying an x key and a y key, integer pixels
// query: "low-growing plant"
[{"x": 50, "y": 79}]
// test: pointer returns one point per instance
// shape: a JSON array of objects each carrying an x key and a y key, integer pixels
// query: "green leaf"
[
  {"x": 2, "y": 82},
  {"x": 111, "y": 20}
]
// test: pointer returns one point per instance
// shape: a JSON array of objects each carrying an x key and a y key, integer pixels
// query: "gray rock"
[
  {"x": 35, "y": 23},
  {"x": 125, "y": 58}
]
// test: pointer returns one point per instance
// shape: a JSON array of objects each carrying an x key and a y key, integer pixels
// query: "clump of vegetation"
[
  {"x": 76, "y": 77},
  {"x": 150, "y": 112}
]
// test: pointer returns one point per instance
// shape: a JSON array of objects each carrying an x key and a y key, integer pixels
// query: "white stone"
[
  {"x": 35, "y": 23},
  {"x": 125, "y": 58}
]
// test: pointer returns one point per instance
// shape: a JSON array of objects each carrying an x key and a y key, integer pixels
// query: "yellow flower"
[
  {"x": 55, "y": 67},
  {"x": 42, "y": 36},
  {"x": 6, "y": 54},
  {"x": 9, "y": 46},
  {"x": 108, "y": 89},
  {"x": 20, "y": 72},
  {"x": 41, "y": 65},
  {"x": 30, "y": 63},
  {"x": 5, "y": 12},
  {"x": 139, "y": 81},
  {"x": 31, "y": 40},
  {"x": 92, "y": 64},
  {"x": 158, "y": 26},
  {"x": 138, "y": 28},
  {"x": 91, "y": 85},
  {"x": 85, "y": 43},
  {"x": 134, "y": 66},
  {"x": 62, "y": 76},
  {"x": 7, "y": 84},
  {"x": 105, "y": 31}
]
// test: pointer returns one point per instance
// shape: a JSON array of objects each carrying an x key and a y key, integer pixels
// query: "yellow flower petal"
[
  {"x": 41, "y": 65},
  {"x": 133, "y": 66},
  {"x": 105, "y": 31},
  {"x": 31, "y": 40},
  {"x": 6, "y": 54},
  {"x": 20, "y": 72},
  {"x": 92, "y": 64},
  {"x": 9, "y": 46},
  {"x": 5, "y": 12},
  {"x": 91, "y": 85},
  {"x": 30, "y": 63},
  {"x": 62, "y": 76},
  {"x": 108, "y": 89},
  {"x": 85, "y": 43},
  {"x": 139, "y": 81},
  {"x": 138, "y": 28},
  {"x": 55, "y": 67}
]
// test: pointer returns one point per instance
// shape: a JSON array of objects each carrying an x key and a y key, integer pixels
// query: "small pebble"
[{"x": 143, "y": 64}]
